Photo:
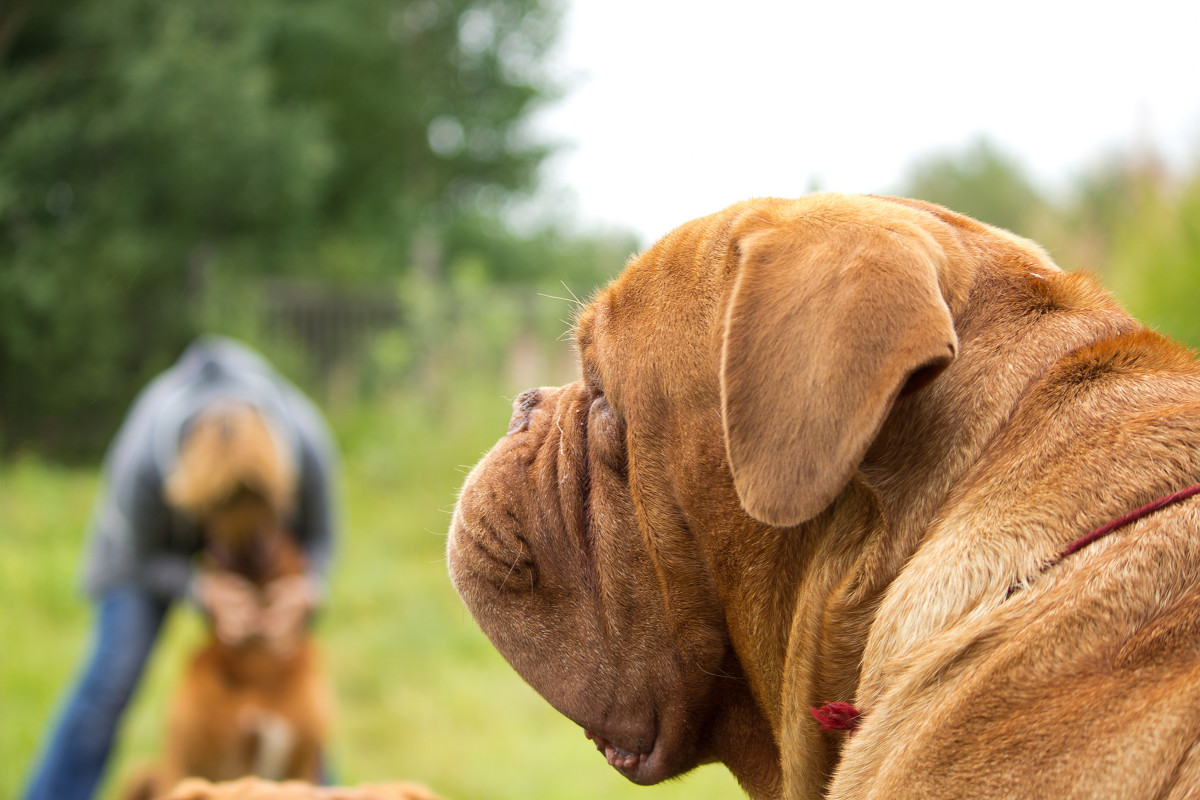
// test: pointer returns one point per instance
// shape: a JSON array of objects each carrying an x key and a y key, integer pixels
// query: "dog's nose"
[{"x": 523, "y": 408}]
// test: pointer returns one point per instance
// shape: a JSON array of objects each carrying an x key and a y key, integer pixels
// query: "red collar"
[
  {"x": 839, "y": 716},
  {"x": 1132, "y": 516}
]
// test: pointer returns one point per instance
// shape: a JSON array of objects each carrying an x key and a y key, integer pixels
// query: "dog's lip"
[
  {"x": 634, "y": 764},
  {"x": 624, "y": 761}
]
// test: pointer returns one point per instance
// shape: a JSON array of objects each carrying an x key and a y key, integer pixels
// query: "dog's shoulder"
[{"x": 1099, "y": 650}]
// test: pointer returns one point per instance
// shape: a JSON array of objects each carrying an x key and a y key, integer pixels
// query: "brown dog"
[
  {"x": 257, "y": 707},
  {"x": 828, "y": 450},
  {"x": 254, "y": 699}
]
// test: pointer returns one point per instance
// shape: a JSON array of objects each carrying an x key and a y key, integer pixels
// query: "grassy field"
[{"x": 422, "y": 694}]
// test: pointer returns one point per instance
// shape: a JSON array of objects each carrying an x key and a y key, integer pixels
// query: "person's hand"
[
  {"x": 288, "y": 603},
  {"x": 232, "y": 603}
]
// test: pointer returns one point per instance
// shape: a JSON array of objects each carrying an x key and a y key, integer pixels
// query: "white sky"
[{"x": 681, "y": 107}]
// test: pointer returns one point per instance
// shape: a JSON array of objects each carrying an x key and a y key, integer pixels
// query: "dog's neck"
[
  {"x": 260, "y": 558},
  {"x": 841, "y": 567},
  {"x": 257, "y": 558},
  {"x": 946, "y": 444}
]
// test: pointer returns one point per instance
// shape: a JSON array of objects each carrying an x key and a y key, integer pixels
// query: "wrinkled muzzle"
[{"x": 545, "y": 552}]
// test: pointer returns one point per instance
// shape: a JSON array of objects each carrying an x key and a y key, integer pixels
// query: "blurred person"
[{"x": 146, "y": 532}]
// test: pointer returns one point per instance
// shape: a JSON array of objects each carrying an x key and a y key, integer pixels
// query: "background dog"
[
  {"x": 254, "y": 699},
  {"x": 837, "y": 449}
]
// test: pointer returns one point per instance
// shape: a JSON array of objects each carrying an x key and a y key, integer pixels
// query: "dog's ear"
[{"x": 827, "y": 323}]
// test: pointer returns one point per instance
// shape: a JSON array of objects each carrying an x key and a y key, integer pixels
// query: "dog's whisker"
[
  {"x": 511, "y": 569},
  {"x": 578, "y": 303},
  {"x": 720, "y": 673}
]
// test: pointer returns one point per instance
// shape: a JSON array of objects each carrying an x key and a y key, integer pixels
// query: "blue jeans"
[{"x": 73, "y": 762}]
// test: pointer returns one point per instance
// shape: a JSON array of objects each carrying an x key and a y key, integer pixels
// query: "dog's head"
[
  {"x": 235, "y": 479},
  {"x": 623, "y": 545}
]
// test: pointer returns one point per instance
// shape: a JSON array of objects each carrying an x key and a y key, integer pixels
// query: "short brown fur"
[{"x": 823, "y": 450}]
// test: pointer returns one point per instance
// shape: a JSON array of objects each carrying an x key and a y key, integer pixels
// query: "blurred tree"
[
  {"x": 1155, "y": 260},
  {"x": 144, "y": 145},
  {"x": 1126, "y": 218},
  {"x": 1106, "y": 198},
  {"x": 552, "y": 259},
  {"x": 980, "y": 181}
]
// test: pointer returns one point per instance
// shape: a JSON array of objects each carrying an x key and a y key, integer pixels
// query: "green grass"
[{"x": 422, "y": 695}]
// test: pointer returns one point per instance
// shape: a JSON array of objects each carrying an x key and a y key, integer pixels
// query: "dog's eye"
[{"x": 606, "y": 434}]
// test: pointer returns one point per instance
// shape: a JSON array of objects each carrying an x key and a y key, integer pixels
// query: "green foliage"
[
  {"x": 1126, "y": 218},
  {"x": 547, "y": 258},
  {"x": 980, "y": 181},
  {"x": 1155, "y": 261},
  {"x": 146, "y": 147}
]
